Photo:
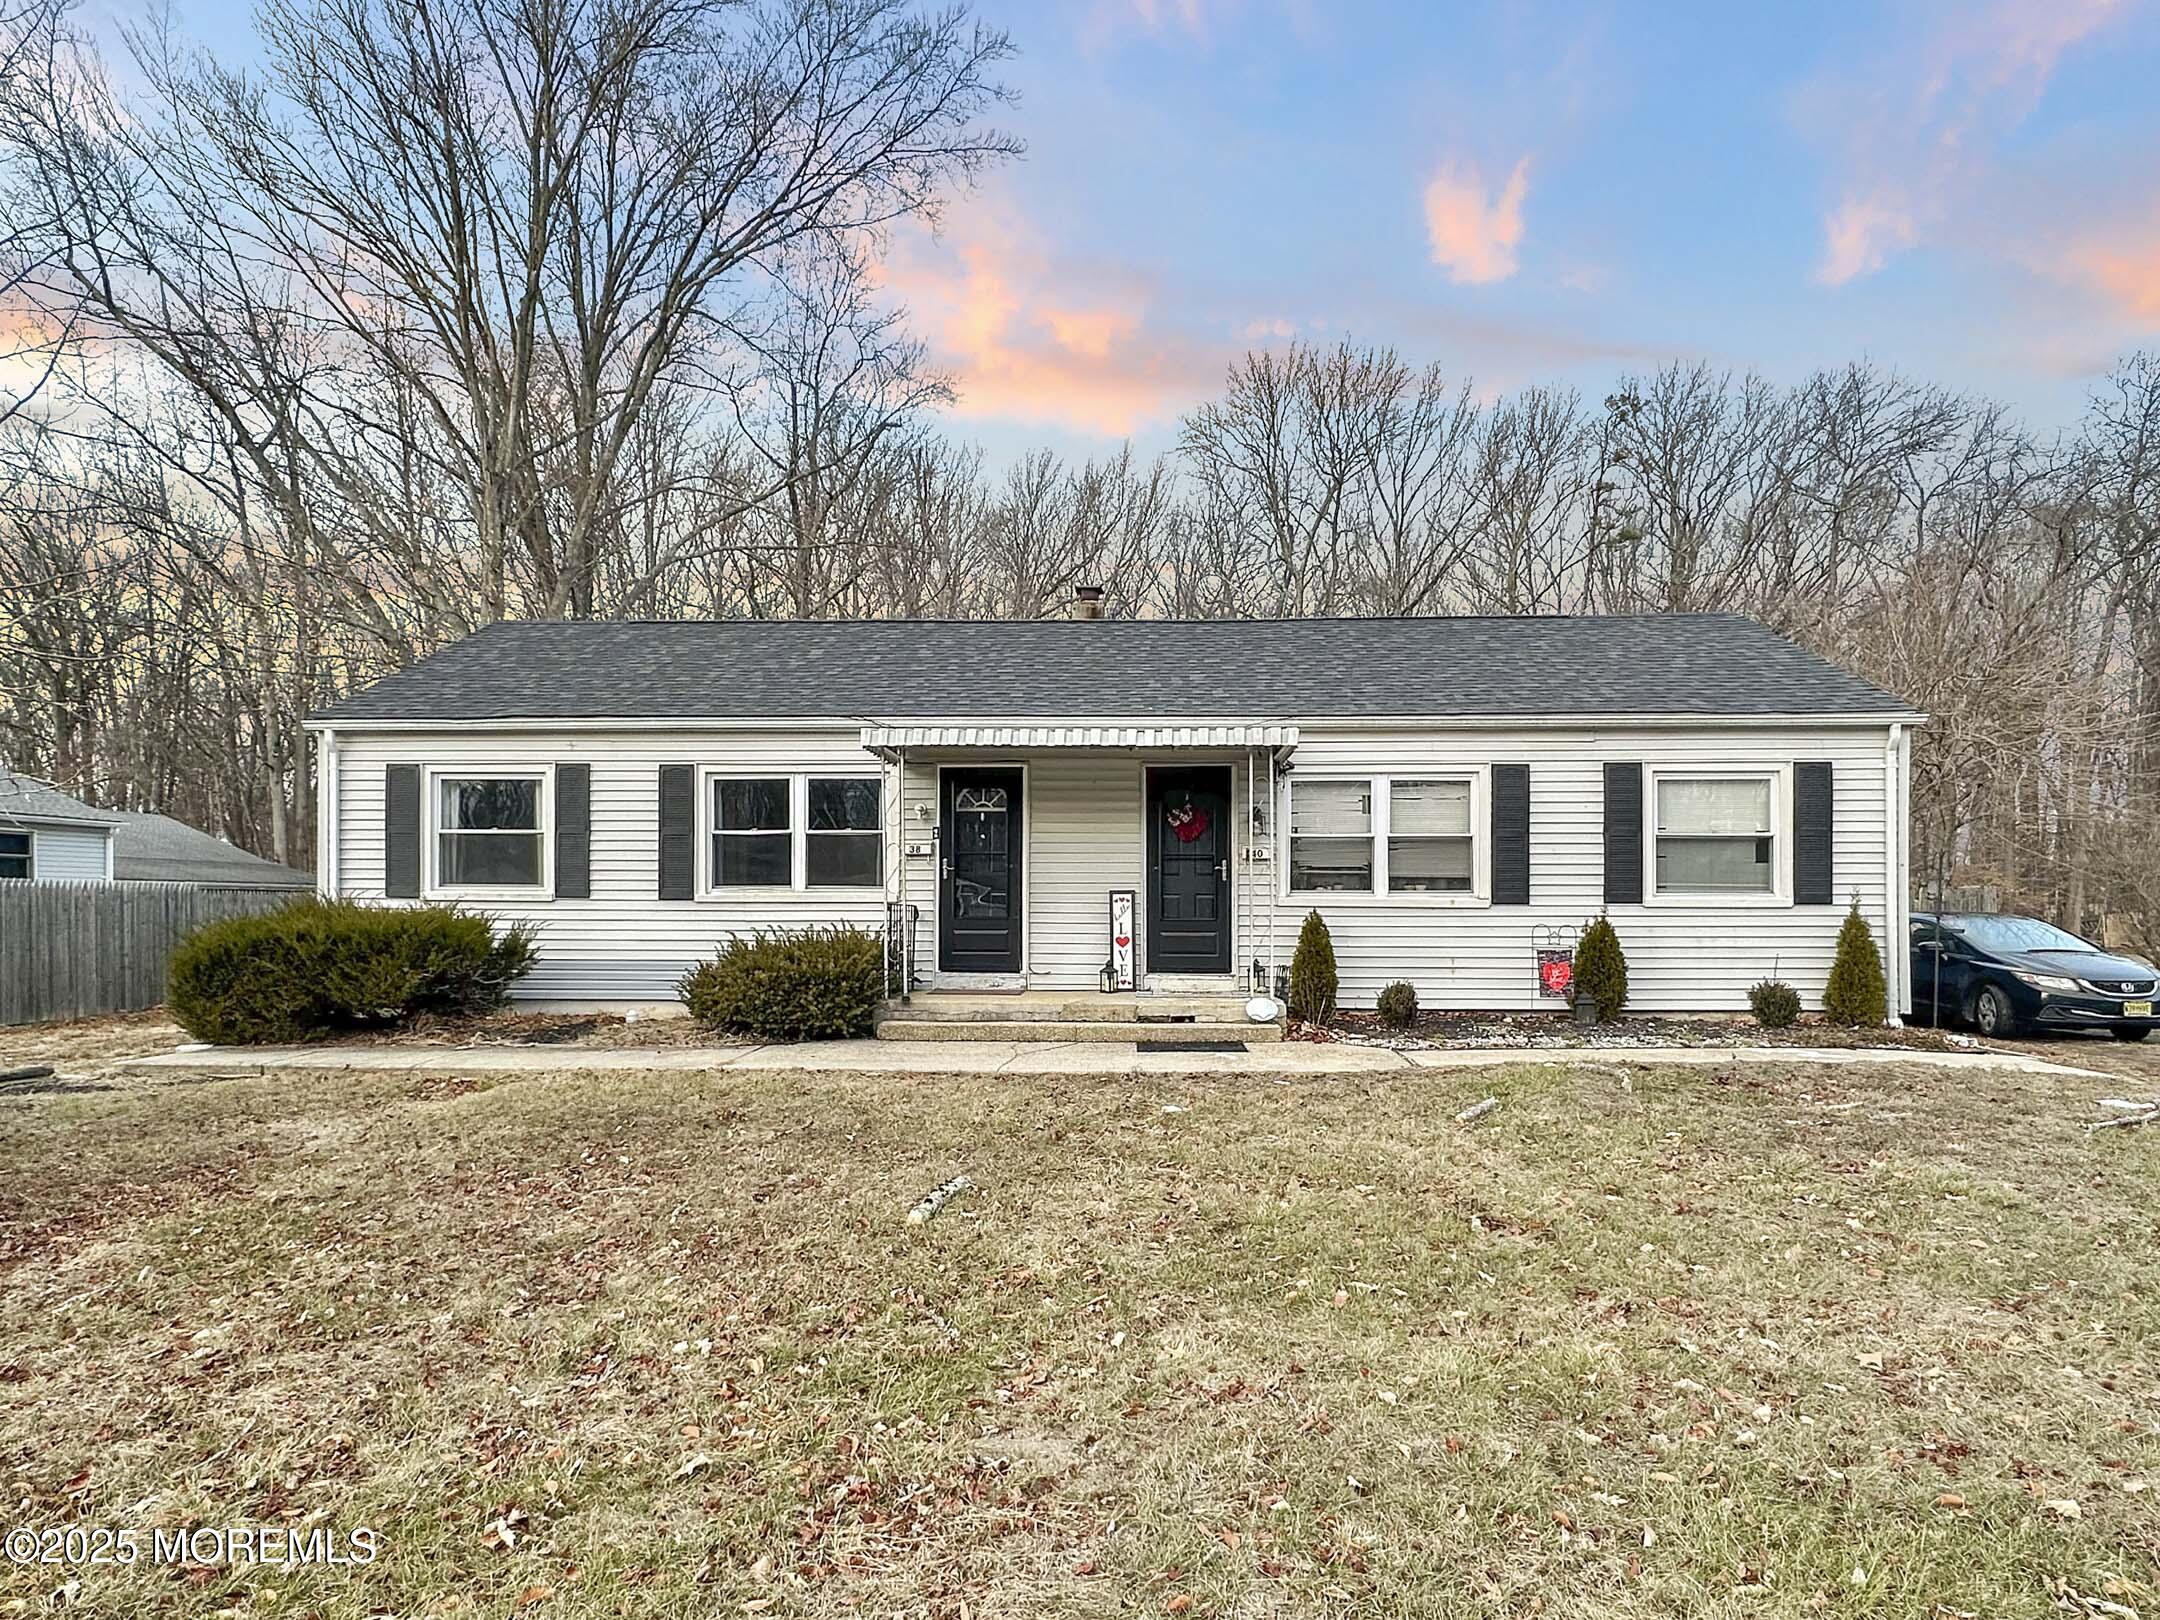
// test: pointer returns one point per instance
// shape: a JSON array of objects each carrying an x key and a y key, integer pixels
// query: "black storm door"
[
  {"x": 1188, "y": 845},
  {"x": 979, "y": 873}
]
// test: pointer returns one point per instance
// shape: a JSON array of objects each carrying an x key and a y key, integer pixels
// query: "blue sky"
[
  {"x": 1550, "y": 193},
  {"x": 1540, "y": 192}
]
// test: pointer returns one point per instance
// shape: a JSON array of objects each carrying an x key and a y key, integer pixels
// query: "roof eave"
[{"x": 1357, "y": 722}]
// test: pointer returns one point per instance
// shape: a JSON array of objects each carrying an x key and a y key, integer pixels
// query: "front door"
[
  {"x": 979, "y": 872},
  {"x": 1188, "y": 844}
]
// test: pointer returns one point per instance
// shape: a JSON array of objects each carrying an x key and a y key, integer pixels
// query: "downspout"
[
  {"x": 1275, "y": 860},
  {"x": 894, "y": 760},
  {"x": 1894, "y": 929},
  {"x": 326, "y": 813}
]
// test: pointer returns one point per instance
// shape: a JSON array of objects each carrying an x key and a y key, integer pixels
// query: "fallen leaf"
[
  {"x": 1949, "y": 1499},
  {"x": 2063, "y": 1508},
  {"x": 534, "y": 1594},
  {"x": 1176, "y": 1605}
]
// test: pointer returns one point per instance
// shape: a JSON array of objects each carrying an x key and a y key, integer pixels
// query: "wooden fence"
[{"x": 68, "y": 950}]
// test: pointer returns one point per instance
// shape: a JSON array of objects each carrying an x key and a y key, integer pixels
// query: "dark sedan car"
[{"x": 2004, "y": 974}]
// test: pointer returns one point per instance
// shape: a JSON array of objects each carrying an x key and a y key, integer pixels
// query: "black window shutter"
[
  {"x": 678, "y": 832},
  {"x": 1511, "y": 835},
  {"x": 1813, "y": 878},
  {"x": 401, "y": 832},
  {"x": 573, "y": 831},
  {"x": 1623, "y": 835}
]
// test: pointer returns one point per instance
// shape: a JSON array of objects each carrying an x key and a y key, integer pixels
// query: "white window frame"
[
  {"x": 1382, "y": 785},
  {"x": 798, "y": 781},
  {"x": 1779, "y": 894},
  {"x": 29, "y": 836},
  {"x": 432, "y": 830},
  {"x": 804, "y": 834}
]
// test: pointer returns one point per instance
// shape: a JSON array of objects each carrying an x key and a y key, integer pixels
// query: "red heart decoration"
[{"x": 1123, "y": 941}]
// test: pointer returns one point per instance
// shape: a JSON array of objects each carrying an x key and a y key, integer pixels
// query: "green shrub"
[
  {"x": 1856, "y": 994},
  {"x": 1775, "y": 1003},
  {"x": 320, "y": 967},
  {"x": 1313, "y": 981},
  {"x": 1601, "y": 969},
  {"x": 1398, "y": 1005},
  {"x": 812, "y": 985}
]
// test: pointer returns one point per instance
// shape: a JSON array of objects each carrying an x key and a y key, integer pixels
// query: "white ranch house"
[{"x": 1450, "y": 794}]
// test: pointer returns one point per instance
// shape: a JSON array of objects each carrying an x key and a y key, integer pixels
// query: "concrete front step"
[
  {"x": 1063, "y": 1007},
  {"x": 1076, "y": 1029}
]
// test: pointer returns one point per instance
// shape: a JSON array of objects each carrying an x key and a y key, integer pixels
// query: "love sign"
[{"x": 1124, "y": 973}]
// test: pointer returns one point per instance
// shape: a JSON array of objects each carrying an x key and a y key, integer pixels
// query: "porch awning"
[{"x": 879, "y": 738}]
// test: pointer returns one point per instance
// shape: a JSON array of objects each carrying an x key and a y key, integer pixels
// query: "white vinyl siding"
[
  {"x": 70, "y": 855},
  {"x": 1682, "y": 956},
  {"x": 1084, "y": 836},
  {"x": 622, "y": 944}
]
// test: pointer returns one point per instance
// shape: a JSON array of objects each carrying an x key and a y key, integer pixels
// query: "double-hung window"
[
  {"x": 1331, "y": 837},
  {"x": 1716, "y": 835},
  {"x": 844, "y": 842},
  {"x": 1414, "y": 834},
  {"x": 1430, "y": 844},
  {"x": 801, "y": 832},
  {"x": 15, "y": 855},
  {"x": 753, "y": 832},
  {"x": 488, "y": 832}
]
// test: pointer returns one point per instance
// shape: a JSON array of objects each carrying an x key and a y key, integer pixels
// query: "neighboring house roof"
[
  {"x": 1652, "y": 664},
  {"x": 25, "y": 799},
  {"x": 157, "y": 849}
]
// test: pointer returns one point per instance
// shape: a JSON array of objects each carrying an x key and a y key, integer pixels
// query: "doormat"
[{"x": 1190, "y": 1046}]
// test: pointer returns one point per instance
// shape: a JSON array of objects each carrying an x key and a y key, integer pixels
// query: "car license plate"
[{"x": 2137, "y": 1009}]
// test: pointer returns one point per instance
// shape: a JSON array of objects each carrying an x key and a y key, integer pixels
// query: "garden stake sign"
[
  {"x": 1553, "y": 949},
  {"x": 1123, "y": 975}
]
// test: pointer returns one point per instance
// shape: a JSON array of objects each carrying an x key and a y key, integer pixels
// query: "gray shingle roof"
[
  {"x": 150, "y": 848},
  {"x": 25, "y": 798},
  {"x": 1119, "y": 668}
]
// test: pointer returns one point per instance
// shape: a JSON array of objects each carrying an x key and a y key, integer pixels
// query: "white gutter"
[
  {"x": 326, "y": 813},
  {"x": 1895, "y": 927},
  {"x": 1422, "y": 722}
]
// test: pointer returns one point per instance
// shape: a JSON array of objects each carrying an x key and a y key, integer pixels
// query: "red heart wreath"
[{"x": 1188, "y": 821}]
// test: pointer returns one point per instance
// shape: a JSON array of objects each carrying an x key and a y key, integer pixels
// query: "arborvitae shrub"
[
  {"x": 1313, "y": 982},
  {"x": 815, "y": 984},
  {"x": 1601, "y": 969},
  {"x": 1398, "y": 1005},
  {"x": 1856, "y": 994},
  {"x": 322, "y": 967},
  {"x": 1775, "y": 1003}
]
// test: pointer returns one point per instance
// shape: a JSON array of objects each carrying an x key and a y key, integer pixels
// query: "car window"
[{"x": 2018, "y": 934}]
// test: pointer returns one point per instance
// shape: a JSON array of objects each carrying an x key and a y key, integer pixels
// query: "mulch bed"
[
  {"x": 592, "y": 1030},
  {"x": 1559, "y": 1031}
]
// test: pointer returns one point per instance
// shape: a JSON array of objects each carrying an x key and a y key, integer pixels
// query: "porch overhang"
[{"x": 885, "y": 740}]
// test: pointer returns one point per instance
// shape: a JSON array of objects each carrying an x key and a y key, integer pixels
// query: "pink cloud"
[
  {"x": 1921, "y": 124},
  {"x": 1027, "y": 336},
  {"x": 1860, "y": 235},
  {"x": 2120, "y": 262},
  {"x": 1474, "y": 234}
]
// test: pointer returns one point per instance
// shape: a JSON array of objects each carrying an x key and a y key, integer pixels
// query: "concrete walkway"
[{"x": 1033, "y": 1057}]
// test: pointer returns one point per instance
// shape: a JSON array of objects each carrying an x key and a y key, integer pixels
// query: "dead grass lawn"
[{"x": 1875, "y": 1341}]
